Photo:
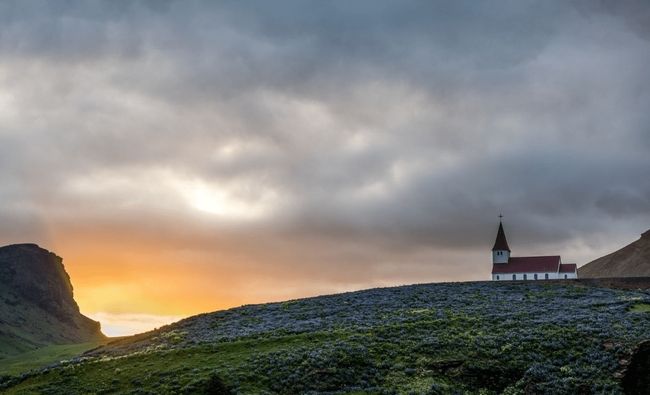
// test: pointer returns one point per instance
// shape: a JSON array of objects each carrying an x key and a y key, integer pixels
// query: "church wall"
[{"x": 531, "y": 276}]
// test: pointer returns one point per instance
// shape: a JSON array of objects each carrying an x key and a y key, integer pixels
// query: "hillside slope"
[
  {"x": 633, "y": 260},
  {"x": 37, "y": 307},
  {"x": 488, "y": 338}
]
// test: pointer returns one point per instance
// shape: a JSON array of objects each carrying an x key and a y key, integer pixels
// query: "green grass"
[
  {"x": 640, "y": 308},
  {"x": 167, "y": 371},
  {"x": 41, "y": 357}
]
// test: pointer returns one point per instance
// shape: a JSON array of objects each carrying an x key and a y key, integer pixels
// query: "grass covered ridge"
[
  {"x": 478, "y": 338},
  {"x": 43, "y": 356}
]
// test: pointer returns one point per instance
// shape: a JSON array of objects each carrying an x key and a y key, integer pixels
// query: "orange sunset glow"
[{"x": 118, "y": 274}]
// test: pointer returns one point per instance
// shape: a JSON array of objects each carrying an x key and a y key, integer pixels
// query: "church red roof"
[
  {"x": 529, "y": 264},
  {"x": 568, "y": 268},
  {"x": 501, "y": 243}
]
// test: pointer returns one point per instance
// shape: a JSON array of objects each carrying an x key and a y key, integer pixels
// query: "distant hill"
[
  {"x": 633, "y": 260},
  {"x": 536, "y": 337},
  {"x": 36, "y": 303}
]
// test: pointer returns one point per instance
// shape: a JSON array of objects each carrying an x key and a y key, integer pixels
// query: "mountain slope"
[
  {"x": 37, "y": 307},
  {"x": 632, "y": 260},
  {"x": 536, "y": 337}
]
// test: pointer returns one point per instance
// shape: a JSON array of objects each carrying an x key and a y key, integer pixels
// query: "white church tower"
[{"x": 500, "y": 251}]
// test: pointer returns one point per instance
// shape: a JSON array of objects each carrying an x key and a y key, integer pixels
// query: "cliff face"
[
  {"x": 37, "y": 307},
  {"x": 632, "y": 260}
]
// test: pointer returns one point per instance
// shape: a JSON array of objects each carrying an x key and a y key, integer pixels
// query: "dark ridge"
[{"x": 37, "y": 306}]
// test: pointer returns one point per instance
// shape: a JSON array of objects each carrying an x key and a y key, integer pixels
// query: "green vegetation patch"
[
  {"x": 640, "y": 308},
  {"x": 185, "y": 371},
  {"x": 42, "y": 357}
]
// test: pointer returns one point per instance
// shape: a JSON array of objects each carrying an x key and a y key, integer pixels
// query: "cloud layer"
[{"x": 321, "y": 145}]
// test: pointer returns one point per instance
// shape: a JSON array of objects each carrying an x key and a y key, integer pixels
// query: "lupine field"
[{"x": 476, "y": 338}]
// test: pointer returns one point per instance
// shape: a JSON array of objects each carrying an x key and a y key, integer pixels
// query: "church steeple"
[
  {"x": 501, "y": 244},
  {"x": 500, "y": 251}
]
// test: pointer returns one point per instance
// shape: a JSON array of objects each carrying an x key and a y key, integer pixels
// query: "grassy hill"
[
  {"x": 483, "y": 338},
  {"x": 43, "y": 356}
]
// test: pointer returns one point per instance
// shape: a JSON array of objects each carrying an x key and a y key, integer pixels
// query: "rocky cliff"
[
  {"x": 633, "y": 260},
  {"x": 37, "y": 307}
]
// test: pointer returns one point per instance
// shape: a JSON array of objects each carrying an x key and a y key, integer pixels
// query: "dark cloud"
[{"x": 366, "y": 131}]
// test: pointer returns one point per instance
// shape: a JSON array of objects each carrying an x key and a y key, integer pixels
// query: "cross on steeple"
[{"x": 500, "y": 216}]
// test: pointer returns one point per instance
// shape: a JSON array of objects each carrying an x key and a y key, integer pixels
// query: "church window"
[
  {"x": 497, "y": 276},
  {"x": 535, "y": 276},
  {"x": 565, "y": 276},
  {"x": 514, "y": 276},
  {"x": 525, "y": 277},
  {"x": 546, "y": 276}
]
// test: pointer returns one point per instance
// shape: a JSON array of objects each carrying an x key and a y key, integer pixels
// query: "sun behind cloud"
[{"x": 248, "y": 203}]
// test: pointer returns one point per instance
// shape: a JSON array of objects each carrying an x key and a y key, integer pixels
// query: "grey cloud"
[{"x": 401, "y": 127}]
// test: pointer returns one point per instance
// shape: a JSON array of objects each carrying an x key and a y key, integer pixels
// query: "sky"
[{"x": 189, "y": 156}]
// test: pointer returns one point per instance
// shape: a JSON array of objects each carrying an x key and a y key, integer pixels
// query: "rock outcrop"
[
  {"x": 636, "y": 379},
  {"x": 37, "y": 307},
  {"x": 632, "y": 260}
]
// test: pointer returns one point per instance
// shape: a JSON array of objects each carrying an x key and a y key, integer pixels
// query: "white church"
[{"x": 508, "y": 268}]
